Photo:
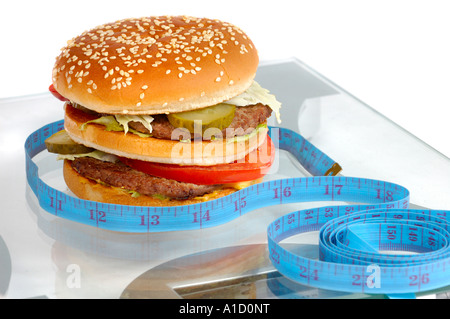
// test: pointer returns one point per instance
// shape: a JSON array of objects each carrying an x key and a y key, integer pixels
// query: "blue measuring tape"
[{"x": 350, "y": 236}]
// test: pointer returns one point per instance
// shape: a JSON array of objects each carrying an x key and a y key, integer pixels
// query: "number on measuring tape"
[{"x": 352, "y": 238}]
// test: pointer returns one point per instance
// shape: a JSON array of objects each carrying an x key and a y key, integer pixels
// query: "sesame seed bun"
[{"x": 156, "y": 65}]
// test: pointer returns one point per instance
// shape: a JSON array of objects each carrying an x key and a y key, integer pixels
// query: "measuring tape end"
[{"x": 333, "y": 170}]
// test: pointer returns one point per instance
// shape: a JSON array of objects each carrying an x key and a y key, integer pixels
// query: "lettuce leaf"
[
  {"x": 119, "y": 123},
  {"x": 244, "y": 138},
  {"x": 256, "y": 94},
  {"x": 94, "y": 154},
  {"x": 145, "y": 120},
  {"x": 108, "y": 121}
]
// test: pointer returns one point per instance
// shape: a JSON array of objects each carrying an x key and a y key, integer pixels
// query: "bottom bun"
[{"x": 90, "y": 190}]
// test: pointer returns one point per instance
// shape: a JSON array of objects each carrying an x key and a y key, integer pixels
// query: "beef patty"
[
  {"x": 123, "y": 176},
  {"x": 245, "y": 120}
]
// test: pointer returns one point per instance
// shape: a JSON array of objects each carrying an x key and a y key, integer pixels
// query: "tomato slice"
[
  {"x": 55, "y": 93},
  {"x": 255, "y": 165}
]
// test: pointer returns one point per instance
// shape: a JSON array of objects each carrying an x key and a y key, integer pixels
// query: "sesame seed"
[
  {"x": 141, "y": 96},
  {"x": 127, "y": 44}
]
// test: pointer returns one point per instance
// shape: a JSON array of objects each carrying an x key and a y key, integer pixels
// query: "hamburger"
[{"x": 161, "y": 111}]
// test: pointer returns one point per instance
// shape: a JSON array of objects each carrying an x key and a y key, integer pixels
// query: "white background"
[{"x": 393, "y": 55}]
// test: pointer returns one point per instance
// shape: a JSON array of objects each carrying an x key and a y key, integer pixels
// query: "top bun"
[{"x": 155, "y": 65}]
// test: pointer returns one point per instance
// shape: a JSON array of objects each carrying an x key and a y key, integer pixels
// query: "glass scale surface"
[{"x": 45, "y": 256}]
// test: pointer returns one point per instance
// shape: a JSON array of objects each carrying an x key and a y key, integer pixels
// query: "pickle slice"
[
  {"x": 61, "y": 143},
  {"x": 218, "y": 116}
]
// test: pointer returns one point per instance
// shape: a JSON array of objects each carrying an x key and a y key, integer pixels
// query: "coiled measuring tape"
[{"x": 350, "y": 236}]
